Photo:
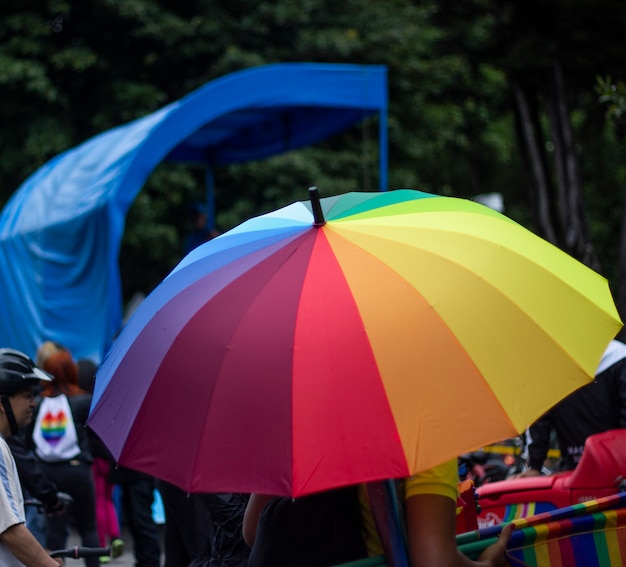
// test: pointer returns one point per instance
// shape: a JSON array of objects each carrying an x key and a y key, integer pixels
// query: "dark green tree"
[{"x": 484, "y": 96}]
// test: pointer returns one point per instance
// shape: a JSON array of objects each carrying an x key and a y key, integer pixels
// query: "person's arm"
[
  {"x": 251, "y": 516},
  {"x": 25, "y": 547},
  {"x": 431, "y": 524},
  {"x": 32, "y": 477}
]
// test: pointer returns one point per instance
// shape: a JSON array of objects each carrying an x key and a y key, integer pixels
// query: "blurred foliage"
[
  {"x": 70, "y": 69},
  {"x": 613, "y": 96}
]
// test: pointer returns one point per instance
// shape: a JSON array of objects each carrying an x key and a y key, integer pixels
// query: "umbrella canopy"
[{"x": 366, "y": 336}]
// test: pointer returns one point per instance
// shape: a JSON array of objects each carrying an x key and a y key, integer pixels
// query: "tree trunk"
[
  {"x": 531, "y": 140},
  {"x": 569, "y": 194},
  {"x": 556, "y": 186}
]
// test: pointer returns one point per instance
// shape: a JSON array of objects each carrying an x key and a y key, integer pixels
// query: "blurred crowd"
[{"x": 70, "y": 480}]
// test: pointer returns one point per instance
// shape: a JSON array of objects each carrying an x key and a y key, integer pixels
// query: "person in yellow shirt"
[{"x": 430, "y": 514}]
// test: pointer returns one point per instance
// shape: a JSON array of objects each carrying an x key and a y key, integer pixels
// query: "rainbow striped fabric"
[
  {"x": 591, "y": 534},
  {"x": 514, "y": 512},
  {"x": 591, "y": 540}
]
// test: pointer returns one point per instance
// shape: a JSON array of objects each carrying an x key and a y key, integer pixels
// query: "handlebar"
[{"x": 80, "y": 552}]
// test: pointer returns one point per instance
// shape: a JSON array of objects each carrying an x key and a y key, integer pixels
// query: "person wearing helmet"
[{"x": 19, "y": 379}]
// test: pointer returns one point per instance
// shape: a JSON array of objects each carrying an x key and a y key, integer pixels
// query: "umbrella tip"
[{"x": 318, "y": 215}]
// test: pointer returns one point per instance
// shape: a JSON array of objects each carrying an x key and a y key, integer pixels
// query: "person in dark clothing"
[
  {"x": 186, "y": 535},
  {"x": 228, "y": 548},
  {"x": 36, "y": 485},
  {"x": 137, "y": 498},
  {"x": 86, "y": 374},
  {"x": 594, "y": 408},
  {"x": 107, "y": 521},
  {"x": 61, "y": 442},
  {"x": 34, "y": 480},
  {"x": 283, "y": 531}
]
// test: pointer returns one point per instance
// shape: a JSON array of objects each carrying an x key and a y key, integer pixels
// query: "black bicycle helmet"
[{"x": 18, "y": 372}]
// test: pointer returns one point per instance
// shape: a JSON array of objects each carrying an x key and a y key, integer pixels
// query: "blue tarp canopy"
[{"x": 61, "y": 231}]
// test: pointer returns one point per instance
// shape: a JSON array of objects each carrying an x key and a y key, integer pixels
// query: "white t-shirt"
[{"x": 11, "y": 501}]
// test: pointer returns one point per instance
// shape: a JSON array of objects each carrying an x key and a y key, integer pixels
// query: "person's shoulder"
[{"x": 441, "y": 479}]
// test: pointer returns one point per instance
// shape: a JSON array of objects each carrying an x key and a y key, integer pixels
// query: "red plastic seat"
[{"x": 602, "y": 463}]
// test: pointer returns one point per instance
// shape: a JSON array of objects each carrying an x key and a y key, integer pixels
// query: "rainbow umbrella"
[{"x": 348, "y": 339}]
